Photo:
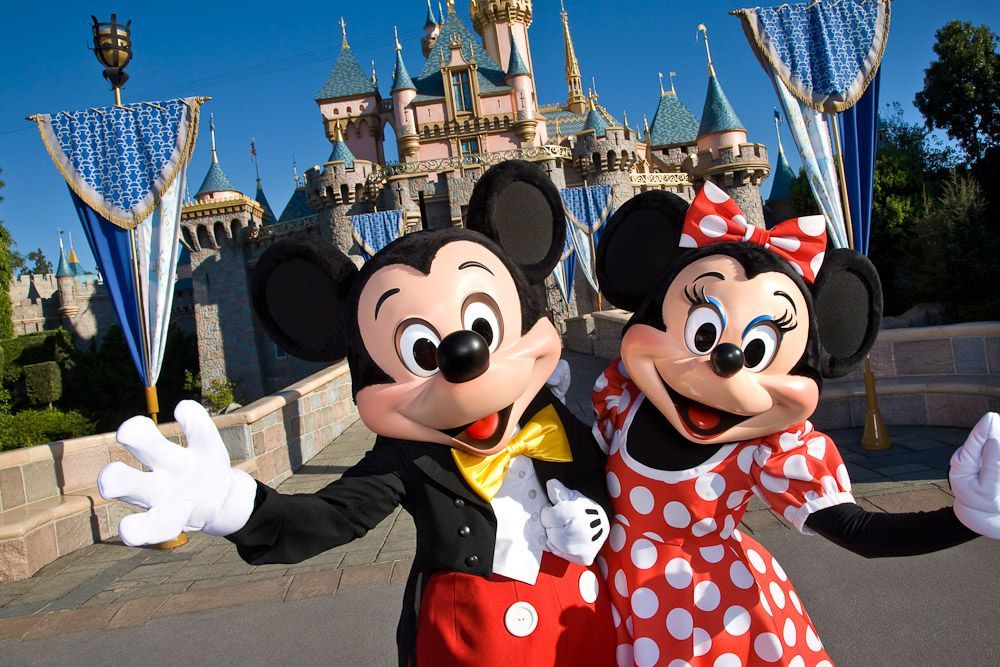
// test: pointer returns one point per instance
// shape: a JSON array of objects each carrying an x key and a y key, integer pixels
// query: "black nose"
[
  {"x": 463, "y": 356},
  {"x": 727, "y": 360}
]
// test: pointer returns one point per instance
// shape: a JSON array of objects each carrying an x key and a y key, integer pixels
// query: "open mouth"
[
  {"x": 485, "y": 432},
  {"x": 700, "y": 420}
]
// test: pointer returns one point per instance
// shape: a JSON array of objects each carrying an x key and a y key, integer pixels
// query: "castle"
[{"x": 472, "y": 104}]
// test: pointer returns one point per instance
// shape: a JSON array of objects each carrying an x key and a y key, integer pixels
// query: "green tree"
[
  {"x": 961, "y": 93},
  {"x": 6, "y": 274},
  {"x": 803, "y": 201},
  {"x": 42, "y": 265}
]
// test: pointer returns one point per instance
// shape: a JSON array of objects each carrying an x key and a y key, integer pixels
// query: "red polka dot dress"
[{"x": 687, "y": 587}]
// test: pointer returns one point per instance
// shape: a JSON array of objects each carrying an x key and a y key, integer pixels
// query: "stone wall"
[{"x": 49, "y": 505}]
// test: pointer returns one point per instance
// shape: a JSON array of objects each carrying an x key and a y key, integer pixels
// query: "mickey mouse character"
[
  {"x": 449, "y": 351},
  {"x": 721, "y": 364}
]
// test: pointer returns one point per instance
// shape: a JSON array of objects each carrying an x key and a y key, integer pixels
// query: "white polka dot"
[
  {"x": 789, "y": 633},
  {"x": 727, "y": 660},
  {"x": 614, "y": 486},
  {"x": 740, "y": 575},
  {"x": 679, "y": 663},
  {"x": 678, "y": 573},
  {"x": 588, "y": 585},
  {"x": 625, "y": 399},
  {"x": 767, "y": 647},
  {"x": 623, "y": 655},
  {"x": 761, "y": 455},
  {"x": 615, "y": 616},
  {"x": 687, "y": 241},
  {"x": 704, "y": 527},
  {"x": 622, "y": 370},
  {"x": 616, "y": 538},
  {"x": 764, "y": 604},
  {"x": 824, "y": 663},
  {"x": 602, "y": 565},
  {"x": 788, "y": 441},
  {"x": 712, "y": 554},
  {"x": 795, "y": 601},
  {"x": 843, "y": 477},
  {"x": 702, "y": 643},
  {"x": 745, "y": 459},
  {"x": 816, "y": 263},
  {"x": 641, "y": 499},
  {"x": 654, "y": 536},
  {"x": 777, "y": 594},
  {"x": 741, "y": 222},
  {"x": 706, "y": 595},
  {"x": 601, "y": 383},
  {"x": 676, "y": 514},
  {"x": 621, "y": 584},
  {"x": 643, "y": 554},
  {"x": 789, "y": 243},
  {"x": 798, "y": 269},
  {"x": 778, "y": 571},
  {"x": 735, "y": 499},
  {"x": 728, "y": 526},
  {"x": 812, "y": 225},
  {"x": 628, "y": 626},
  {"x": 736, "y": 620},
  {"x": 756, "y": 561},
  {"x": 772, "y": 483},
  {"x": 796, "y": 468},
  {"x": 797, "y": 661},
  {"x": 679, "y": 623},
  {"x": 715, "y": 194},
  {"x": 646, "y": 652},
  {"x": 644, "y": 603},
  {"x": 816, "y": 447},
  {"x": 713, "y": 226},
  {"x": 736, "y": 535},
  {"x": 829, "y": 484},
  {"x": 710, "y": 486},
  {"x": 609, "y": 431},
  {"x": 812, "y": 641}
]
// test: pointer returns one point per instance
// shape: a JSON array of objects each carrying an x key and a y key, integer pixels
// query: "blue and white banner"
[
  {"x": 565, "y": 271},
  {"x": 825, "y": 52},
  {"x": 587, "y": 210},
  {"x": 374, "y": 231},
  {"x": 125, "y": 168}
]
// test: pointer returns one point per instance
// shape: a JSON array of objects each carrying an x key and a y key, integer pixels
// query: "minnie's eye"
[
  {"x": 760, "y": 344},
  {"x": 481, "y": 315},
  {"x": 417, "y": 347},
  {"x": 703, "y": 329}
]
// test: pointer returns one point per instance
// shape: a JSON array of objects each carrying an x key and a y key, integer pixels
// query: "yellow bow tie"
[{"x": 541, "y": 438}]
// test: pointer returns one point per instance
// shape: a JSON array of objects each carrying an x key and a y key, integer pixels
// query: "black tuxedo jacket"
[{"x": 455, "y": 528}]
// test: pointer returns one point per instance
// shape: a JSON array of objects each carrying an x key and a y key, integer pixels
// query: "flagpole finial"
[
  {"x": 593, "y": 83},
  {"x": 253, "y": 156},
  {"x": 645, "y": 128},
  {"x": 295, "y": 171},
  {"x": 395, "y": 32},
  {"x": 672, "y": 89},
  {"x": 703, "y": 31},
  {"x": 211, "y": 128},
  {"x": 662, "y": 92},
  {"x": 343, "y": 34},
  {"x": 451, "y": 6}
]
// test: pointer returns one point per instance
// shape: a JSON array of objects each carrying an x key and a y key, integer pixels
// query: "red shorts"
[{"x": 563, "y": 619}]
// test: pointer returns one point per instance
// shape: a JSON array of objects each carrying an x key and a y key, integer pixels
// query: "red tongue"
[
  {"x": 704, "y": 417},
  {"x": 485, "y": 427}
]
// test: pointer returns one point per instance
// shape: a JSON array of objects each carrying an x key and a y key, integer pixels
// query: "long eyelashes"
[
  {"x": 694, "y": 296},
  {"x": 786, "y": 322}
]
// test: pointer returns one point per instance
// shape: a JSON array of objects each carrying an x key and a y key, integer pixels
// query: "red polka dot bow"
[{"x": 715, "y": 218}]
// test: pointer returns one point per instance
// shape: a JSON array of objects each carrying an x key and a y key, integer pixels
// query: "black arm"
[
  {"x": 878, "y": 535},
  {"x": 292, "y": 528}
]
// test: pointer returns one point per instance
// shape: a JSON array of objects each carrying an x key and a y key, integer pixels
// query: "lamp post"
[{"x": 113, "y": 48}]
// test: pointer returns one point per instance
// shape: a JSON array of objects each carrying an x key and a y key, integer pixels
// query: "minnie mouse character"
[
  {"x": 721, "y": 364},
  {"x": 449, "y": 351}
]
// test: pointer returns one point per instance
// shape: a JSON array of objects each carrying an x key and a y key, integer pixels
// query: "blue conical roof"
[
  {"x": 62, "y": 268},
  {"x": 401, "y": 78},
  {"x": 491, "y": 77},
  {"x": 261, "y": 199},
  {"x": 297, "y": 206},
  {"x": 595, "y": 121},
  {"x": 718, "y": 115},
  {"x": 431, "y": 21},
  {"x": 215, "y": 181},
  {"x": 781, "y": 187},
  {"x": 673, "y": 123},
  {"x": 346, "y": 79},
  {"x": 516, "y": 65},
  {"x": 341, "y": 153}
]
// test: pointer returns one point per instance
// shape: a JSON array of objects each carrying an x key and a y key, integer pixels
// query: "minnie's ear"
[
  {"x": 516, "y": 205},
  {"x": 639, "y": 243},
  {"x": 299, "y": 290},
  {"x": 847, "y": 299}
]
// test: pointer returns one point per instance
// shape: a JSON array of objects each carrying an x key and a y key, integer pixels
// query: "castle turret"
[
  {"x": 502, "y": 23},
  {"x": 605, "y": 154},
  {"x": 432, "y": 28},
  {"x": 403, "y": 92},
  {"x": 724, "y": 155},
  {"x": 66, "y": 279},
  {"x": 778, "y": 206},
  {"x": 674, "y": 131},
  {"x": 518, "y": 77},
  {"x": 575, "y": 101},
  {"x": 216, "y": 186}
]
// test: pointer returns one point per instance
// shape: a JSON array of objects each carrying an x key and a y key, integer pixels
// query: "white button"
[
  {"x": 521, "y": 619},
  {"x": 532, "y": 493},
  {"x": 522, "y": 474}
]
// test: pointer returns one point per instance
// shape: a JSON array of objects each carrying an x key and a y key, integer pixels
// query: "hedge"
[
  {"x": 43, "y": 383},
  {"x": 37, "y": 427}
]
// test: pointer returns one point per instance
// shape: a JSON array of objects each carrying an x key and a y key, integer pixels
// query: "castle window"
[
  {"x": 462, "y": 90},
  {"x": 470, "y": 146}
]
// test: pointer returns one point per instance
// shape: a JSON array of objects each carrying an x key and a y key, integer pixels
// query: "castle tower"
[
  {"x": 432, "y": 28},
  {"x": 778, "y": 206},
  {"x": 66, "y": 280},
  {"x": 403, "y": 92},
  {"x": 216, "y": 186},
  {"x": 724, "y": 155},
  {"x": 518, "y": 77},
  {"x": 349, "y": 99},
  {"x": 260, "y": 197},
  {"x": 604, "y": 155},
  {"x": 575, "y": 101},
  {"x": 674, "y": 131},
  {"x": 501, "y": 23}
]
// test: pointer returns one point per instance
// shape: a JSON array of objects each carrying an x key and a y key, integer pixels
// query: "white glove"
[
  {"x": 192, "y": 488},
  {"x": 560, "y": 379},
  {"x": 575, "y": 526},
  {"x": 975, "y": 478}
]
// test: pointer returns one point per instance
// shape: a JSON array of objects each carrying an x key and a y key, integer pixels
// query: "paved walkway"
[{"x": 112, "y": 586}]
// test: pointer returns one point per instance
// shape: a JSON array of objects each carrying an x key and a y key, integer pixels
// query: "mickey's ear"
[
  {"x": 847, "y": 298},
  {"x": 299, "y": 290},
  {"x": 516, "y": 205},
  {"x": 639, "y": 243}
]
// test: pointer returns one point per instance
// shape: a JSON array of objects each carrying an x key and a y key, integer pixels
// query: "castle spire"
[
  {"x": 451, "y": 7},
  {"x": 211, "y": 130},
  {"x": 672, "y": 89},
  {"x": 343, "y": 34},
  {"x": 662, "y": 92},
  {"x": 400, "y": 77},
  {"x": 430, "y": 21},
  {"x": 703, "y": 30},
  {"x": 575, "y": 102},
  {"x": 295, "y": 170},
  {"x": 216, "y": 179}
]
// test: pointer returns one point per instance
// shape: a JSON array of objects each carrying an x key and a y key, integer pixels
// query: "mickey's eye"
[
  {"x": 417, "y": 344},
  {"x": 760, "y": 344},
  {"x": 703, "y": 329},
  {"x": 481, "y": 314}
]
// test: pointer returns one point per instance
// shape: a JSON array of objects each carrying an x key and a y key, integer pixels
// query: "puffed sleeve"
[
  {"x": 613, "y": 396},
  {"x": 799, "y": 472}
]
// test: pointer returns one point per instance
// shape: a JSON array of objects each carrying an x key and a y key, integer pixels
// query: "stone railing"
[
  {"x": 49, "y": 505},
  {"x": 282, "y": 228},
  {"x": 656, "y": 179}
]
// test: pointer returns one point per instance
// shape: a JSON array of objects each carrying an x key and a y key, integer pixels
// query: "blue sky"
[{"x": 262, "y": 63}]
